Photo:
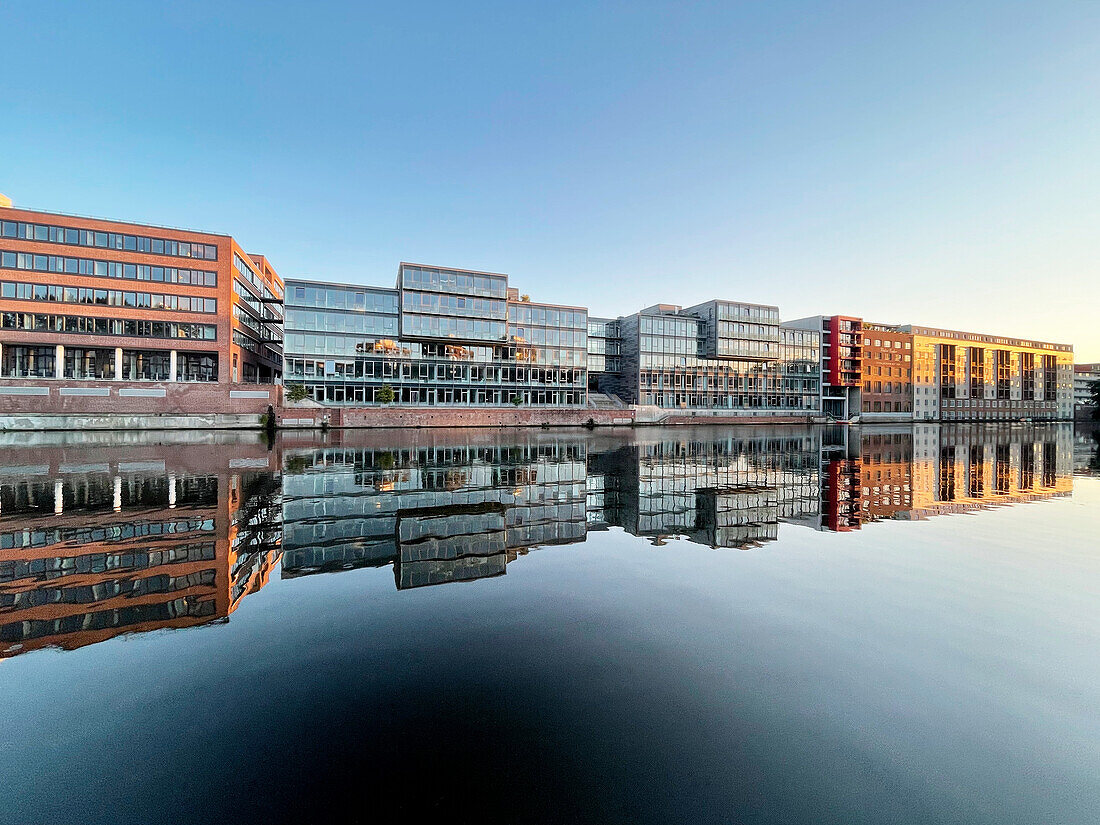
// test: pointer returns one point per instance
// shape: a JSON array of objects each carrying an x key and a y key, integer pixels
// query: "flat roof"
[
  {"x": 310, "y": 282},
  {"x": 450, "y": 269},
  {"x": 984, "y": 338},
  {"x": 5, "y": 211}
]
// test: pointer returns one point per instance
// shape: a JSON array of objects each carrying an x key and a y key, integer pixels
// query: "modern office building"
[
  {"x": 85, "y": 299},
  {"x": 964, "y": 376},
  {"x": 1084, "y": 376},
  {"x": 887, "y": 366},
  {"x": 716, "y": 358},
  {"x": 439, "y": 337},
  {"x": 841, "y": 362}
]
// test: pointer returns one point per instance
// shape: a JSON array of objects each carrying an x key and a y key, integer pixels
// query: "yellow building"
[{"x": 965, "y": 376}]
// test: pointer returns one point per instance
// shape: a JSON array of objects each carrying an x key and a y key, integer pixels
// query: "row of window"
[
  {"x": 729, "y": 348},
  {"x": 666, "y": 325},
  {"x": 887, "y": 387},
  {"x": 422, "y": 371},
  {"x": 261, "y": 310},
  {"x": 736, "y": 383},
  {"x": 437, "y": 326},
  {"x": 106, "y": 269},
  {"x": 250, "y": 275},
  {"x": 675, "y": 400},
  {"x": 350, "y": 298},
  {"x": 69, "y": 236},
  {"x": 106, "y": 297},
  {"x": 551, "y": 336},
  {"x": 82, "y": 325},
  {"x": 272, "y": 353},
  {"x": 264, "y": 332},
  {"x": 528, "y": 314},
  {"x": 447, "y": 396},
  {"x": 888, "y": 344},
  {"x": 446, "y": 280},
  {"x": 727, "y": 310},
  {"x": 446, "y": 304},
  {"x": 366, "y": 323},
  {"x": 728, "y": 329},
  {"x": 21, "y": 361}
]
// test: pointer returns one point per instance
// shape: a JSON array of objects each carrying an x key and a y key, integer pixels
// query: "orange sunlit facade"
[{"x": 887, "y": 366}]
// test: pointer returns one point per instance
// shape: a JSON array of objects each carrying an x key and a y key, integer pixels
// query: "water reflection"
[
  {"x": 105, "y": 538},
  {"x": 103, "y": 541}
]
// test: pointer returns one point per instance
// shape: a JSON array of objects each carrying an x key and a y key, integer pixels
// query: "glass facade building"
[
  {"x": 720, "y": 356},
  {"x": 440, "y": 337}
]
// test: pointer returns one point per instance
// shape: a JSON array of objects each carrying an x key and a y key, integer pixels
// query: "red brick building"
[
  {"x": 887, "y": 373},
  {"x": 86, "y": 300}
]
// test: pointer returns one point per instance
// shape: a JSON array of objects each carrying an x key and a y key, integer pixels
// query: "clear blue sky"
[{"x": 929, "y": 162}]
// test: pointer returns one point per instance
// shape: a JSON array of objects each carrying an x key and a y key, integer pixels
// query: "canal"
[{"x": 757, "y": 625}]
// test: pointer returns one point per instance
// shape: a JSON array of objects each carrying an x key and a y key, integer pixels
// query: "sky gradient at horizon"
[{"x": 910, "y": 163}]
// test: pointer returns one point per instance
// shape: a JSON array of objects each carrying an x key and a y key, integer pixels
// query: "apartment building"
[
  {"x": 718, "y": 357},
  {"x": 439, "y": 337},
  {"x": 965, "y": 376},
  {"x": 85, "y": 300},
  {"x": 887, "y": 367},
  {"x": 841, "y": 362}
]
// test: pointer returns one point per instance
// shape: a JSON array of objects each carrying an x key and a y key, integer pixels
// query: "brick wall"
[
  {"x": 60, "y": 397},
  {"x": 448, "y": 417}
]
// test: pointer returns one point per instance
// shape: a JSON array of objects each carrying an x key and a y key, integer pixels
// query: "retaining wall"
[
  {"x": 449, "y": 417},
  {"x": 53, "y": 404}
]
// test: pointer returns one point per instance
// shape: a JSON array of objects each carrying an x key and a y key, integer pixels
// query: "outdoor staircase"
[{"x": 605, "y": 401}]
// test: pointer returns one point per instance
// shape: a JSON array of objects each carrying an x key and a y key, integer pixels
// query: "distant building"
[{"x": 1084, "y": 375}]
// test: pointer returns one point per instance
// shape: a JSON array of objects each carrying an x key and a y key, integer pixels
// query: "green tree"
[
  {"x": 385, "y": 394},
  {"x": 516, "y": 399},
  {"x": 297, "y": 392},
  {"x": 1094, "y": 391}
]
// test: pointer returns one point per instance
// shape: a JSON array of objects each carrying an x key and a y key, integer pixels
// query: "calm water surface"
[{"x": 749, "y": 625}]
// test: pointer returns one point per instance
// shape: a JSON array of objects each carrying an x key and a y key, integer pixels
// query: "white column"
[
  {"x": 118, "y": 363},
  {"x": 58, "y": 498},
  {"x": 171, "y": 491},
  {"x": 59, "y": 362},
  {"x": 118, "y": 494},
  {"x": 173, "y": 361}
]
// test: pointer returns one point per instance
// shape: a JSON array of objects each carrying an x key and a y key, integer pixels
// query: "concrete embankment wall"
[{"x": 50, "y": 404}]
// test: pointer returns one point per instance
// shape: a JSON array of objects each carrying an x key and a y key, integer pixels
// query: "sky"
[{"x": 932, "y": 163}]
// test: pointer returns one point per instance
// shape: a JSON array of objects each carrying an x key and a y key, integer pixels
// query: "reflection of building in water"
[
  {"x": 729, "y": 492},
  {"x": 960, "y": 467},
  {"x": 886, "y": 474},
  {"x": 439, "y": 513},
  {"x": 1086, "y": 449},
  {"x": 92, "y": 546}
]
